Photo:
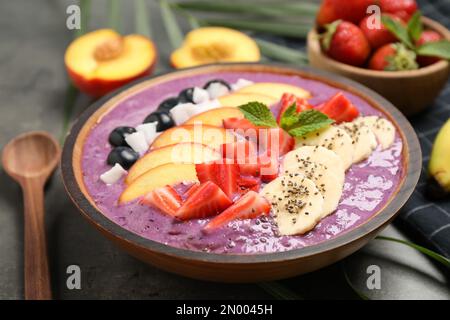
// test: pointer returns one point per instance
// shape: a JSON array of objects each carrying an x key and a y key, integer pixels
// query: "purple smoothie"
[{"x": 368, "y": 185}]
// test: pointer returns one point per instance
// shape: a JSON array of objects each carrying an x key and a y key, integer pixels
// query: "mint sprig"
[
  {"x": 415, "y": 27},
  {"x": 308, "y": 121},
  {"x": 398, "y": 30},
  {"x": 258, "y": 114}
]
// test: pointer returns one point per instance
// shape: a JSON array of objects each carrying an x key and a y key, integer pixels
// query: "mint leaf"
[
  {"x": 289, "y": 117},
  {"x": 439, "y": 49},
  {"x": 309, "y": 121},
  {"x": 415, "y": 26},
  {"x": 398, "y": 30},
  {"x": 258, "y": 114}
]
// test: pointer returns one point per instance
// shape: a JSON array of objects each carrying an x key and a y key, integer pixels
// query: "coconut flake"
[
  {"x": 181, "y": 112},
  {"x": 113, "y": 175},
  {"x": 217, "y": 89},
  {"x": 149, "y": 131},
  {"x": 200, "y": 95},
  {"x": 137, "y": 141},
  {"x": 241, "y": 83},
  {"x": 205, "y": 106}
]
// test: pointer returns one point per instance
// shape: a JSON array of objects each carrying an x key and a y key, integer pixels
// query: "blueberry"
[
  {"x": 168, "y": 104},
  {"x": 124, "y": 156},
  {"x": 187, "y": 95},
  {"x": 220, "y": 81},
  {"x": 117, "y": 136},
  {"x": 163, "y": 118}
]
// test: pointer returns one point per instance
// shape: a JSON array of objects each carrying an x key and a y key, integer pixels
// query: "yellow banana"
[{"x": 439, "y": 166}]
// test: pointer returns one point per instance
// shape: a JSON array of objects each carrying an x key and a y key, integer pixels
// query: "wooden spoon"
[{"x": 30, "y": 159}]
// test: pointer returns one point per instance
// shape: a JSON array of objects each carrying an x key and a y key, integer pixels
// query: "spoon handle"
[{"x": 37, "y": 277}]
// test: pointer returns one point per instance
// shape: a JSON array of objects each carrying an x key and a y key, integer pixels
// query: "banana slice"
[
  {"x": 332, "y": 138},
  {"x": 363, "y": 140},
  {"x": 329, "y": 185},
  {"x": 296, "y": 202},
  {"x": 383, "y": 129},
  {"x": 316, "y": 154}
]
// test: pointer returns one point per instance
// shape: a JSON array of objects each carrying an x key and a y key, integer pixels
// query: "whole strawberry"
[
  {"x": 425, "y": 37},
  {"x": 349, "y": 10},
  {"x": 403, "y": 9},
  {"x": 346, "y": 43},
  {"x": 393, "y": 57},
  {"x": 377, "y": 35}
]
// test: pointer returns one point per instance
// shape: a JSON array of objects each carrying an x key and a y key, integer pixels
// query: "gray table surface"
[{"x": 33, "y": 38}]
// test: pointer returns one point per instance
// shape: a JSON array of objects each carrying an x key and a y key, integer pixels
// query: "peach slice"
[
  {"x": 275, "y": 90},
  {"x": 215, "y": 44},
  {"x": 215, "y": 117},
  {"x": 178, "y": 153},
  {"x": 103, "y": 60},
  {"x": 238, "y": 99},
  {"x": 205, "y": 134},
  {"x": 166, "y": 174}
]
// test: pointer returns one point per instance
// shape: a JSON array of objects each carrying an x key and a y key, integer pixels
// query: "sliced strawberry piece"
[
  {"x": 250, "y": 206},
  {"x": 276, "y": 141},
  {"x": 244, "y": 153},
  {"x": 165, "y": 199},
  {"x": 288, "y": 99},
  {"x": 191, "y": 190},
  {"x": 242, "y": 127},
  {"x": 340, "y": 109},
  {"x": 225, "y": 175},
  {"x": 247, "y": 183},
  {"x": 206, "y": 201},
  {"x": 206, "y": 171},
  {"x": 269, "y": 166}
]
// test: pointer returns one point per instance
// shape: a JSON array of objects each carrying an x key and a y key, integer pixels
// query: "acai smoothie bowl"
[{"x": 241, "y": 172}]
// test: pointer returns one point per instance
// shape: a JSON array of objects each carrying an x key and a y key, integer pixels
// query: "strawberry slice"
[
  {"x": 224, "y": 175},
  {"x": 165, "y": 199},
  {"x": 288, "y": 99},
  {"x": 244, "y": 153},
  {"x": 250, "y": 206},
  {"x": 191, "y": 190},
  {"x": 242, "y": 127},
  {"x": 269, "y": 166},
  {"x": 247, "y": 183},
  {"x": 276, "y": 141},
  {"x": 206, "y": 201},
  {"x": 339, "y": 108}
]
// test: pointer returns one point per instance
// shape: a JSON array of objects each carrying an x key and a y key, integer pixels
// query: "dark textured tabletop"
[{"x": 33, "y": 37}]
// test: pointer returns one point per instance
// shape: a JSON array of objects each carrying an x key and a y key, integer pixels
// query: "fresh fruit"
[
  {"x": 103, "y": 60},
  {"x": 205, "y": 134},
  {"x": 296, "y": 202},
  {"x": 247, "y": 183},
  {"x": 383, "y": 129},
  {"x": 349, "y": 10},
  {"x": 274, "y": 90},
  {"x": 165, "y": 199},
  {"x": 215, "y": 44},
  {"x": 329, "y": 185},
  {"x": 124, "y": 156},
  {"x": 439, "y": 166},
  {"x": 403, "y": 9},
  {"x": 113, "y": 175},
  {"x": 363, "y": 139},
  {"x": 216, "y": 116},
  {"x": 217, "y": 88},
  {"x": 238, "y": 99},
  {"x": 426, "y": 37},
  {"x": 191, "y": 190},
  {"x": 137, "y": 141},
  {"x": 334, "y": 139},
  {"x": 168, "y": 104},
  {"x": 167, "y": 174},
  {"x": 377, "y": 37},
  {"x": 268, "y": 167},
  {"x": 245, "y": 154},
  {"x": 393, "y": 57},
  {"x": 181, "y": 153},
  {"x": 163, "y": 118},
  {"x": 186, "y": 95},
  {"x": 339, "y": 108},
  {"x": 205, "y": 201},
  {"x": 117, "y": 136},
  {"x": 249, "y": 206},
  {"x": 239, "y": 123},
  {"x": 346, "y": 43},
  {"x": 288, "y": 99},
  {"x": 225, "y": 175},
  {"x": 275, "y": 141}
]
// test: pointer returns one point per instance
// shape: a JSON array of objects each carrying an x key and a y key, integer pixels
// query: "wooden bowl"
[
  {"x": 410, "y": 91},
  {"x": 233, "y": 267}
]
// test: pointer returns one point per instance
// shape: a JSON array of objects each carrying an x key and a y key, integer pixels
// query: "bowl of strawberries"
[{"x": 387, "y": 45}]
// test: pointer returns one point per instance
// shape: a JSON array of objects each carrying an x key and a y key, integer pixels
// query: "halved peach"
[
  {"x": 215, "y": 117},
  {"x": 166, "y": 174},
  {"x": 238, "y": 99},
  {"x": 205, "y": 134},
  {"x": 275, "y": 90},
  {"x": 215, "y": 44},
  {"x": 181, "y": 153},
  {"x": 103, "y": 60}
]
